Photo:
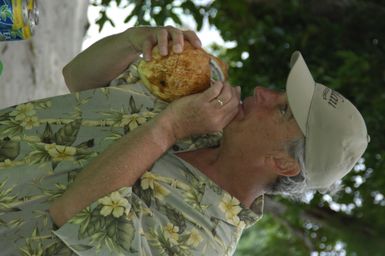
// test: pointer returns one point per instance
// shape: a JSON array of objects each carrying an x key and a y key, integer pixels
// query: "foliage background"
[{"x": 343, "y": 44}]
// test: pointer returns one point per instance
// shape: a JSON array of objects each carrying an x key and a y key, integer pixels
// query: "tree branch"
[{"x": 277, "y": 210}]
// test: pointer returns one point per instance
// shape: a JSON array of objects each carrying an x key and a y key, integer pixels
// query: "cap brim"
[{"x": 300, "y": 87}]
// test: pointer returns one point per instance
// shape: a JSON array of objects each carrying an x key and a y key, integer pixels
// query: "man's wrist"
[
  {"x": 56, "y": 213},
  {"x": 128, "y": 34},
  {"x": 165, "y": 128}
]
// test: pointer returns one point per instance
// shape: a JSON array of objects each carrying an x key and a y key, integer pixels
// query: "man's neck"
[{"x": 225, "y": 172}]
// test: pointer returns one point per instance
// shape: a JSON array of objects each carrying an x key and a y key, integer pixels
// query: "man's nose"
[{"x": 267, "y": 96}]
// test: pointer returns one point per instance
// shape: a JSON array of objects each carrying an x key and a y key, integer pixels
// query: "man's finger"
[
  {"x": 162, "y": 39},
  {"x": 226, "y": 94},
  {"x": 177, "y": 39},
  {"x": 212, "y": 92},
  {"x": 192, "y": 38},
  {"x": 147, "y": 50}
]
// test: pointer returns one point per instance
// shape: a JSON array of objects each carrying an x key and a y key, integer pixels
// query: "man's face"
[{"x": 264, "y": 123}]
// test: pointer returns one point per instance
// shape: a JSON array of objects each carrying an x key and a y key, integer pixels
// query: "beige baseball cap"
[{"x": 335, "y": 132}]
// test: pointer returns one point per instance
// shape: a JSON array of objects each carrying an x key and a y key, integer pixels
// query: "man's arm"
[
  {"x": 100, "y": 63},
  {"x": 119, "y": 166},
  {"x": 106, "y": 59},
  {"x": 122, "y": 163}
]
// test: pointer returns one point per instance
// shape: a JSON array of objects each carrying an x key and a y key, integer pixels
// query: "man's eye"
[{"x": 283, "y": 109}]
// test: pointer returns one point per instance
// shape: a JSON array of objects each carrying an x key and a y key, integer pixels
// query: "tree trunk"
[{"x": 32, "y": 68}]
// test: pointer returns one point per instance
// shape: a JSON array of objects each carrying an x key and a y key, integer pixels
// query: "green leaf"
[
  {"x": 10, "y": 127},
  {"x": 175, "y": 18},
  {"x": 9, "y": 149},
  {"x": 39, "y": 155},
  {"x": 103, "y": 20},
  {"x": 86, "y": 144},
  {"x": 135, "y": 12},
  {"x": 159, "y": 19},
  {"x": 47, "y": 136},
  {"x": 68, "y": 133},
  {"x": 145, "y": 195},
  {"x": 133, "y": 107},
  {"x": 125, "y": 234},
  {"x": 176, "y": 218},
  {"x": 198, "y": 17},
  {"x": 81, "y": 247}
]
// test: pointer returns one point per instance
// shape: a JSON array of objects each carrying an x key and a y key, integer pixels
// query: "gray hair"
[{"x": 294, "y": 186}]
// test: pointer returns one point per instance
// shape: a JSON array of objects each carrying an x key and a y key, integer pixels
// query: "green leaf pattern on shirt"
[{"x": 43, "y": 146}]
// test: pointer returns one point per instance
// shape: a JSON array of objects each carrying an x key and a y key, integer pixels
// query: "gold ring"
[{"x": 220, "y": 102}]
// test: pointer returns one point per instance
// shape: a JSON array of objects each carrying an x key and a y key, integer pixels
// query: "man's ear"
[{"x": 282, "y": 164}]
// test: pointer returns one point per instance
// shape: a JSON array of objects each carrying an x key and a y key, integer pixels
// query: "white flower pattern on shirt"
[{"x": 172, "y": 209}]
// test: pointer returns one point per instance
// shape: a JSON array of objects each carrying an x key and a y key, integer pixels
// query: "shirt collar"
[
  {"x": 214, "y": 195},
  {"x": 254, "y": 213}
]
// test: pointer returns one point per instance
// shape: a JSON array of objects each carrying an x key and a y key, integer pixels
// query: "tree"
[
  {"x": 32, "y": 68},
  {"x": 343, "y": 43}
]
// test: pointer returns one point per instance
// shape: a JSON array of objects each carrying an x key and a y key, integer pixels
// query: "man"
[
  {"x": 137, "y": 197},
  {"x": 253, "y": 157}
]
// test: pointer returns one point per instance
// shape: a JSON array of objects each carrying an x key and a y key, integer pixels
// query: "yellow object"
[{"x": 18, "y": 20}]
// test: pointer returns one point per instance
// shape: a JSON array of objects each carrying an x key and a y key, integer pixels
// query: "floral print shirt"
[{"x": 172, "y": 210}]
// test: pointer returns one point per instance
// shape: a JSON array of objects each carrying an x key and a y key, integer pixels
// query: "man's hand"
[
  {"x": 209, "y": 111},
  {"x": 109, "y": 57},
  {"x": 144, "y": 39}
]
